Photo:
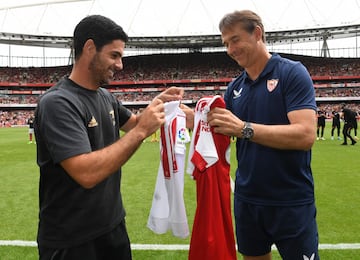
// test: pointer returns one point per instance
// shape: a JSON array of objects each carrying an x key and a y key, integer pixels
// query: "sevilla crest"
[{"x": 271, "y": 84}]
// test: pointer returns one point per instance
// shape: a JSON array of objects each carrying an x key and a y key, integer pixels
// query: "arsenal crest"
[{"x": 271, "y": 84}]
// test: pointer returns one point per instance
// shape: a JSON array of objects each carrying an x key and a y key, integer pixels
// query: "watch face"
[{"x": 247, "y": 132}]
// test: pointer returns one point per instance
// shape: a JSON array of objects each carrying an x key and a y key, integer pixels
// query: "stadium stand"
[{"x": 336, "y": 80}]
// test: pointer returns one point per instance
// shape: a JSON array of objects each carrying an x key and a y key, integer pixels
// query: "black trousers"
[
  {"x": 346, "y": 132},
  {"x": 111, "y": 246},
  {"x": 337, "y": 127}
]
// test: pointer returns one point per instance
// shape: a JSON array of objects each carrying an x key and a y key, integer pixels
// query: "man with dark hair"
[
  {"x": 349, "y": 117},
  {"x": 80, "y": 153}
]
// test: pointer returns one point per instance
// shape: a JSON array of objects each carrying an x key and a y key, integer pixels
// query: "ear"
[
  {"x": 89, "y": 47},
  {"x": 258, "y": 33}
]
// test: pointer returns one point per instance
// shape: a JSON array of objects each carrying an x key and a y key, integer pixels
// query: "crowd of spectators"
[
  {"x": 138, "y": 97},
  {"x": 33, "y": 74},
  {"x": 319, "y": 66},
  {"x": 18, "y": 99},
  {"x": 180, "y": 66},
  {"x": 338, "y": 92},
  {"x": 328, "y": 108},
  {"x": 15, "y": 117},
  {"x": 10, "y": 118},
  {"x": 166, "y": 67}
]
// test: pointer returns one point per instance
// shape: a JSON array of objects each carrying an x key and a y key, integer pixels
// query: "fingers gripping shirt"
[
  {"x": 168, "y": 208},
  {"x": 209, "y": 164}
]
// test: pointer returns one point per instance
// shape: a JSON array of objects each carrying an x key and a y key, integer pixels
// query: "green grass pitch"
[{"x": 337, "y": 185}]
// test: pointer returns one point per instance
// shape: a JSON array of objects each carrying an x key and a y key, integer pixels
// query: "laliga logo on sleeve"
[
  {"x": 271, "y": 84},
  {"x": 182, "y": 134}
]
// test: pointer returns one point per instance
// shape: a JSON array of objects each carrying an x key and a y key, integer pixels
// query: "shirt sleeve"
[
  {"x": 124, "y": 114},
  {"x": 300, "y": 93}
]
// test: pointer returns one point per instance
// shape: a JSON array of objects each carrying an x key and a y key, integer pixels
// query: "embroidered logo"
[
  {"x": 237, "y": 93},
  {"x": 93, "y": 122},
  {"x": 271, "y": 84},
  {"x": 312, "y": 257}
]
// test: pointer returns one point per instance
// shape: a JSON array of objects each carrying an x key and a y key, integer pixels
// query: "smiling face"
[
  {"x": 241, "y": 45},
  {"x": 106, "y": 62}
]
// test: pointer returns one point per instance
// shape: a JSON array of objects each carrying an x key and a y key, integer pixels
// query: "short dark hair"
[
  {"x": 246, "y": 18},
  {"x": 100, "y": 29}
]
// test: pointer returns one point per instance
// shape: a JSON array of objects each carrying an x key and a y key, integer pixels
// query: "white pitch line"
[
  {"x": 18, "y": 243},
  {"x": 158, "y": 247},
  {"x": 340, "y": 246}
]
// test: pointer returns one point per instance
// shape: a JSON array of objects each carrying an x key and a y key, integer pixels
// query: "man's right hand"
[{"x": 151, "y": 119}]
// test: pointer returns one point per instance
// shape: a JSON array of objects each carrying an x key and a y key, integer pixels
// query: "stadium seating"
[{"x": 336, "y": 80}]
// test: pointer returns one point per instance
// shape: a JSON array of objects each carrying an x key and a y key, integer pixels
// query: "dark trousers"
[
  {"x": 114, "y": 245},
  {"x": 346, "y": 132},
  {"x": 320, "y": 131},
  {"x": 337, "y": 127}
]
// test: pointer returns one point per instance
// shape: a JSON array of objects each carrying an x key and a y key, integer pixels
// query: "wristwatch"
[{"x": 247, "y": 132}]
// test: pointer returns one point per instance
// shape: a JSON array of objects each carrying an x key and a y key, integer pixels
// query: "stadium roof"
[
  {"x": 174, "y": 24},
  {"x": 171, "y": 17},
  {"x": 191, "y": 41}
]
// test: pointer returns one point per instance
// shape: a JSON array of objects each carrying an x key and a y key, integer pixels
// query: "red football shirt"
[{"x": 209, "y": 163}]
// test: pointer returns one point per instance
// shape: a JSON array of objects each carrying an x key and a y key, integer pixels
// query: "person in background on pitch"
[
  {"x": 80, "y": 153},
  {"x": 356, "y": 125},
  {"x": 30, "y": 122},
  {"x": 321, "y": 121},
  {"x": 271, "y": 109},
  {"x": 349, "y": 117},
  {"x": 335, "y": 123}
]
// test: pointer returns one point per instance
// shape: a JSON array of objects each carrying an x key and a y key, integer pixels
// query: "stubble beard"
[{"x": 98, "y": 71}]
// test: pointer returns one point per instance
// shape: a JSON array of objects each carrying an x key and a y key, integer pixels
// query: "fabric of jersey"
[
  {"x": 264, "y": 175},
  {"x": 321, "y": 118},
  {"x": 209, "y": 163},
  {"x": 168, "y": 210},
  {"x": 336, "y": 119},
  {"x": 349, "y": 117},
  {"x": 71, "y": 120},
  {"x": 30, "y": 122}
]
